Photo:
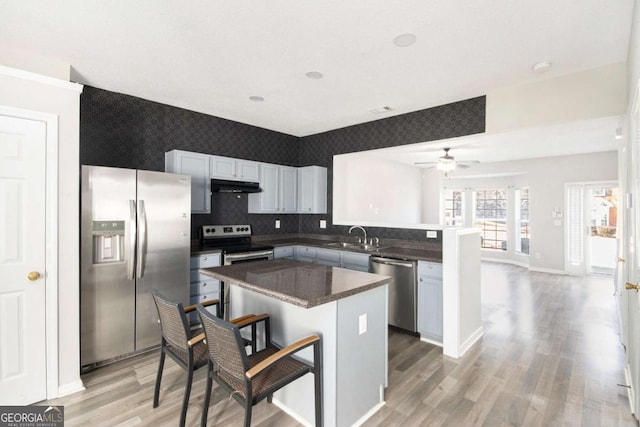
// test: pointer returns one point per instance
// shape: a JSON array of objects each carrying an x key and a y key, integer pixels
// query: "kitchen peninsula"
[{"x": 347, "y": 308}]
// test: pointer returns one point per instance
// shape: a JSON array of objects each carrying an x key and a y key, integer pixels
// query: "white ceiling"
[
  {"x": 211, "y": 56},
  {"x": 587, "y": 136}
]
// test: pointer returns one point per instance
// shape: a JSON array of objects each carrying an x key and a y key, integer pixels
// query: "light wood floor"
[{"x": 550, "y": 356}]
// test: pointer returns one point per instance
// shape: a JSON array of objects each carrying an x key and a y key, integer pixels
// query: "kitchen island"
[{"x": 347, "y": 308}]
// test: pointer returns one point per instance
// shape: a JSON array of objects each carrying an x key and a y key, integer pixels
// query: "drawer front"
[
  {"x": 194, "y": 318},
  {"x": 205, "y": 297},
  {"x": 204, "y": 287},
  {"x": 196, "y": 276},
  {"x": 430, "y": 269},
  {"x": 205, "y": 261}
]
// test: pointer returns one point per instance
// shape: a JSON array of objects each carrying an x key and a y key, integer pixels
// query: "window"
[
  {"x": 453, "y": 207},
  {"x": 523, "y": 231},
  {"x": 490, "y": 216}
]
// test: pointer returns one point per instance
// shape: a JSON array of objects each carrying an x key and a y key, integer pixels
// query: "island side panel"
[
  {"x": 362, "y": 361},
  {"x": 290, "y": 323}
]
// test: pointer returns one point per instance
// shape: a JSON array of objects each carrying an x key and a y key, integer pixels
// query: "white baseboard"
[
  {"x": 368, "y": 415},
  {"x": 506, "y": 261},
  {"x": 630, "y": 391},
  {"x": 547, "y": 270},
  {"x": 304, "y": 422},
  {"x": 473, "y": 338},
  {"x": 67, "y": 389},
  {"x": 438, "y": 343},
  {"x": 466, "y": 345},
  {"x": 525, "y": 265},
  {"x": 292, "y": 413}
]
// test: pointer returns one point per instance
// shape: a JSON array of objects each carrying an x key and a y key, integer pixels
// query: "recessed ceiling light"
[
  {"x": 314, "y": 75},
  {"x": 404, "y": 40},
  {"x": 541, "y": 67},
  {"x": 256, "y": 98},
  {"x": 380, "y": 110}
]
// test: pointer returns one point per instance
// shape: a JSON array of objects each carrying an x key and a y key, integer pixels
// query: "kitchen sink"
[
  {"x": 347, "y": 245},
  {"x": 341, "y": 244}
]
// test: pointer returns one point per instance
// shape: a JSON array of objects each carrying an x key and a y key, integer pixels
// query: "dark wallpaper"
[{"x": 124, "y": 131}]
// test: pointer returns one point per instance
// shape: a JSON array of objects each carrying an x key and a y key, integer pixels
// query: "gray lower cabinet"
[
  {"x": 355, "y": 261},
  {"x": 203, "y": 288},
  {"x": 285, "y": 252},
  {"x": 430, "y": 301},
  {"x": 331, "y": 257},
  {"x": 305, "y": 253},
  {"x": 328, "y": 257}
]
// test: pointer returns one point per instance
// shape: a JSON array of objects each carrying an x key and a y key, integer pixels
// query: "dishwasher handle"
[{"x": 389, "y": 261}]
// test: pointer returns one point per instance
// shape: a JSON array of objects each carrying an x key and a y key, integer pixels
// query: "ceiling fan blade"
[
  {"x": 425, "y": 163},
  {"x": 462, "y": 166}
]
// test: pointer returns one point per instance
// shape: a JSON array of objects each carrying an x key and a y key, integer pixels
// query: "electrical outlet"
[
  {"x": 432, "y": 234},
  {"x": 277, "y": 223},
  {"x": 323, "y": 223},
  {"x": 362, "y": 324}
]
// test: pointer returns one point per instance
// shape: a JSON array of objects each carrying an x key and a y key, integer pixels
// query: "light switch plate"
[
  {"x": 323, "y": 223},
  {"x": 362, "y": 324},
  {"x": 277, "y": 223}
]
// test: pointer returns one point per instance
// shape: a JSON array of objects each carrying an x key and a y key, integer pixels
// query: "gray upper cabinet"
[
  {"x": 312, "y": 190},
  {"x": 234, "y": 169},
  {"x": 195, "y": 165},
  {"x": 285, "y": 189},
  {"x": 278, "y": 195}
]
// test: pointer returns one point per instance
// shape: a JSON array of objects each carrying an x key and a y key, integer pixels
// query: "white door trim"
[
  {"x": 51, "y": 238},
  {"x": 584, "y": 185}
]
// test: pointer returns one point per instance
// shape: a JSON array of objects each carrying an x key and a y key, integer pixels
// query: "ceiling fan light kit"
[{"x": 447, "y": 163}]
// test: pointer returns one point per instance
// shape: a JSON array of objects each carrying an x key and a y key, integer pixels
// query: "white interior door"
[
  {"x": 631, "y": 297},
  {"x": 23, "y": 378}
]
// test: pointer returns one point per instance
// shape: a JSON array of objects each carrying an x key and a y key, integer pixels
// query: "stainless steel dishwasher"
[{"x": 402, "y": 290}]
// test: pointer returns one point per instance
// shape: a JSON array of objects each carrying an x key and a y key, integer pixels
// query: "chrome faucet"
[{"x": 363, "y": 230}]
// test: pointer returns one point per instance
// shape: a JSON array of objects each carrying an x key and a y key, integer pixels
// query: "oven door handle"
[{"x": 248, "y": 255}]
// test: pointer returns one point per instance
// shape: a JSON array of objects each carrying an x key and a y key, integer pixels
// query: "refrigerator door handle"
[
  {"x": 142, "y": 239},
  {"x": 132, "y": 240}
]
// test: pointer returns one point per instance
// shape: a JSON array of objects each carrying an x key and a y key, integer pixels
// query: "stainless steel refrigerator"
[{"x": 135, "y": 236}]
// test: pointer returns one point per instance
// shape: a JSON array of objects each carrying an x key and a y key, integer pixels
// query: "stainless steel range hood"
[{"x": 225, "y": 186}]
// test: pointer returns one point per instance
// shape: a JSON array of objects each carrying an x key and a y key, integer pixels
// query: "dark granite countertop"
[
  {"x": 395, "y": 249},
  {"x": 197, "y": 249},
  {"x": 299, "y": 283}
]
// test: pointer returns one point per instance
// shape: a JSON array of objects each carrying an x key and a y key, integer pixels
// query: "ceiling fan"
[{"x": 447, "y": 163}]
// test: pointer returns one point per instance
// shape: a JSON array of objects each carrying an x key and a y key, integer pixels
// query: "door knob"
[
  {"x": 631, "y": 286},
  {"x": 621, "y": 259},
  {"x": 33, "y": 276}
]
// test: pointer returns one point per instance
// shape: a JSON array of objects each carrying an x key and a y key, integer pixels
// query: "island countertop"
[{"x": 304, "y": 284}]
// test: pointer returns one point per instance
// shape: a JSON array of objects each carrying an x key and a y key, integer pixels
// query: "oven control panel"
[{"x": 213, "y": 231}]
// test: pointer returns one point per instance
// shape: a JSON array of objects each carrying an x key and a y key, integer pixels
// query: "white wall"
[
  {"x": 600, "y": 92},
  {"x": 545, "y": 178},
  {"x": 368, "y": 190},
  {"x": 65, "y": 103}
]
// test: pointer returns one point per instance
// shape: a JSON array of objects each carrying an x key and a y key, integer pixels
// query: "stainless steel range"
[{"x": 235, "y": 243}]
